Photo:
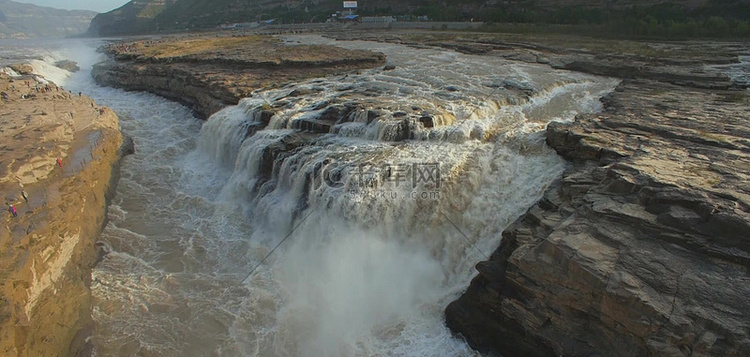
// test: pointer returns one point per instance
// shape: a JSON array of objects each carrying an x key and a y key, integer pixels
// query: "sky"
[{"x": 96, "y": 5}]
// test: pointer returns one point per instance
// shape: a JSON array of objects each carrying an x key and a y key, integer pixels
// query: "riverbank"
[
  {"x": 47, "y": 250},
  {"x": 209, "y": 72}
]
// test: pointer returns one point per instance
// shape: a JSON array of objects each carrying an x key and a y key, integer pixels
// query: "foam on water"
[
  {"x": 50, "y": 72},
  {"x": 739, "y": 72},
  {"x": 364, "y": 269}
]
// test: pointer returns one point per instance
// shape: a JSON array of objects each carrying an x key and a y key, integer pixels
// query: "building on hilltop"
[
  {"x": 348, "y": 14},
  {"x": 350, "y": 8}
]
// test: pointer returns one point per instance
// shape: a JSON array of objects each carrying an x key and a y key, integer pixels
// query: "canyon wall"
[
  {"x": 48, "y": 249},
  {"x": 641, "y": 249}
]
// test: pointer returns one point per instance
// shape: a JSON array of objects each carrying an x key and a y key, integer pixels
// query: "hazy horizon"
[{"x": 98, "y": 5}]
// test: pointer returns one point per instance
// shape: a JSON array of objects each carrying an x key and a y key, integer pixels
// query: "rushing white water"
[
  {"x": 371, "y": 249},
  {"x": 739, "y": 72}
]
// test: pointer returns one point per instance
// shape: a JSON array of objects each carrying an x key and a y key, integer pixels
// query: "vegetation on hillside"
[
  {"x": 717, "y": 18},
  {"x": 661, "y": 21}
]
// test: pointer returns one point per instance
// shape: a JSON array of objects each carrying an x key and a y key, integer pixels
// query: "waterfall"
[
  {"x": 329, "y": 217},
  {"x": 385, "y": 189}
]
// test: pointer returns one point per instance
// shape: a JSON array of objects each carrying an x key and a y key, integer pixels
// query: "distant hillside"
[
  {"x": 19, "y": 20},
  {"x": 137, "y": 16},
  {"x": 141, "y": 16}
]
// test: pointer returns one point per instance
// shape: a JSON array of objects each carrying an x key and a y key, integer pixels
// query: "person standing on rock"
[
  {"x": 25, "y": 196},
  {"x": 12, "y": 210},
  {"x": 59, "y": 162}
]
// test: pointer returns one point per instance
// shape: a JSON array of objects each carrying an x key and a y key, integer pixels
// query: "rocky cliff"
[
  {"x": 48, "y": 249},
  {"x": 23, "y": 21},
  {"x": 209, "y": 73},
  {"x": 641, "y": 249}
]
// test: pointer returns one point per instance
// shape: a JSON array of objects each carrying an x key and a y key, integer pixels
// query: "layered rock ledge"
[
  {"x": 641, "y": 249},
  {"x": 47, "y": 251},
  {"x": 207, "y": 73},
  {"x": 680, "y": 63}
]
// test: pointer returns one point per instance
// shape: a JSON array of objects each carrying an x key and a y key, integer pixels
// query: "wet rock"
[
  {"x": 333, "y": 114},
  {"x": 254, "y": 127},
  {"x": 427, "y": 121},
  {"x": 518, "y": 86},
  {"x": 263, "y": 115},
  {"x": 524, "y": 56},
  {"x": 102, "y": 250},
  {"x": 313, "y": 125},
  {"x": 389, "y": 67},
  {"x": 277, "y": 151},
  {"x": 299, "y": 92},
  {"x": 68, "y": 65},
  {"x": 320, "y": 105},
  {"x": 22, "y": 68},
  {"x": 128, "y": 146},
  {"x": 372, "y": 114},
  {"x": 397, "y": 131}
]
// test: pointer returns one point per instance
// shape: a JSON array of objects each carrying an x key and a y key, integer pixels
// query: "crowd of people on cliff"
[
  {"x": 42, "y": 87},
  {"x": 25, "y": 196},
  {"x": 122, "y": 47}
]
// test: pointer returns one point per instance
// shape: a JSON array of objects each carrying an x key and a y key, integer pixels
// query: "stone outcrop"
[
  {"x": 68, "y": 65},
  {"x": 47, "y": 251},
  {"x": 209, "y": 73},
  {"x": 641, "y": 249}
]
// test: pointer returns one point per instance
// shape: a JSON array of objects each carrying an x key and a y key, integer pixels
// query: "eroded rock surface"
[
  {"x": 47, "y": 250},
  {"x": 209, "y": 73},
  {"x": 681, "y": 63},
  {"x": 641, "y": 249}
]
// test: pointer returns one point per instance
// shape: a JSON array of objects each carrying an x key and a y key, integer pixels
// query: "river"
[{"x": 283, "y": 243}]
